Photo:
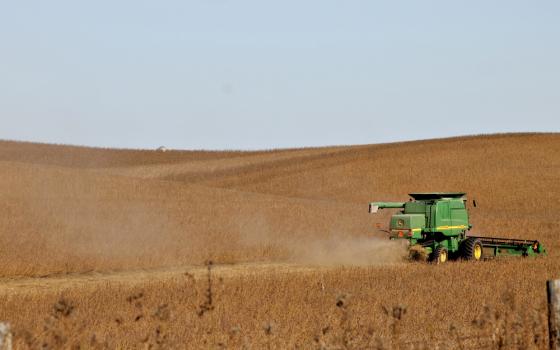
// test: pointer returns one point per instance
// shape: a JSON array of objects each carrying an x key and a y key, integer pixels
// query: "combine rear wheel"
[
  {"x": 440, "y": 255},
  {"x": 472, "y": 249}
]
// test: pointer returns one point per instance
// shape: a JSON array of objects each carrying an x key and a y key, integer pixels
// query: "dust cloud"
[
  {"x": 353, "y": 251},
  {"x": 310, "y": 249}
]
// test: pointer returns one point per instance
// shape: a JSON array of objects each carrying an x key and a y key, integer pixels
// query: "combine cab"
[{"x": 436, "y": 224}]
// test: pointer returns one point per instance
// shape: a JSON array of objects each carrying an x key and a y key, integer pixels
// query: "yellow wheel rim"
[
  {"x": 442, "y": 256},
  {"x": 477, "y": 252}
]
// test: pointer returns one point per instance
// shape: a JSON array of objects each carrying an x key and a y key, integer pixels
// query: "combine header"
[{"x": 436, "y": 224}]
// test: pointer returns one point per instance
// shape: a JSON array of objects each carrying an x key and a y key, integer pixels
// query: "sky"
[{"x": 225, "y": 74}]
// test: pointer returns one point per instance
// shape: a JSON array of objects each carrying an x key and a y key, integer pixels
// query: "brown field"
[{"x": 106, "y": 248}]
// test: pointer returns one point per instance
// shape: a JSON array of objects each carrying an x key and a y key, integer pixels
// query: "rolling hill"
[{"x": 285, "y": 218}]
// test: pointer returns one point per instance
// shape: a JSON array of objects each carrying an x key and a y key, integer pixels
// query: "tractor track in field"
[{"x": 60, "y": 282}]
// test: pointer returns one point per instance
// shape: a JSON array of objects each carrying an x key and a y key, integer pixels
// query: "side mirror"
[{"x": 373, "y": 208}]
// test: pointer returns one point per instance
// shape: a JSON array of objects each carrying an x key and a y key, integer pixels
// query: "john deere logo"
[{"x": 400, "y": 222}]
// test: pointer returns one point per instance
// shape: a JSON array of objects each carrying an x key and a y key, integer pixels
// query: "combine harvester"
[{"x": 436, "y": 225}]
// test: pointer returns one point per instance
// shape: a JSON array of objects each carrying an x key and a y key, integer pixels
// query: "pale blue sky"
[{"x": 227, "y": 74}]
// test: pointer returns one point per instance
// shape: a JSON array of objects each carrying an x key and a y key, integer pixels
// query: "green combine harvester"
[{"x": 436, "y": 225}]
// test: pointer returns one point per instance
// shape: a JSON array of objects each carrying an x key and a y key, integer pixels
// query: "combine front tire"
[
  {"x": 472, "y": 249},
  {"x": 440, "y": 255}
]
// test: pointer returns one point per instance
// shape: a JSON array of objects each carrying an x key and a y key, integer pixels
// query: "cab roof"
[{"x": 437, "y": 195}]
